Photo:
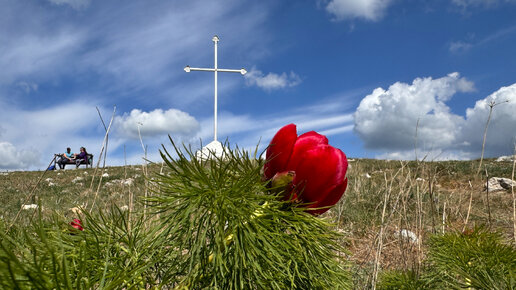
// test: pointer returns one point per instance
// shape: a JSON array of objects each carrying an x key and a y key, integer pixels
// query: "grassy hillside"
[{"x": 387, "y": 217}]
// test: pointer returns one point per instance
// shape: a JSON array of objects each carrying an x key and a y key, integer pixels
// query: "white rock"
[
  {"x": 48, "y": 179},
  {"x": 51, "y": 184},
  {"x": 500, "y": 183},
  {"x": 367, "y": 175},
  {"x": 406, "y": 234},
  {"x": 29, "y": 206},
  {"x": 77, "y": 179},
  {"x": 124, "y": 208},
  {"x": 85, "y": 173},
  {"x": 505, "y": 158},
  {"x": 128, "y": 181},
  {"x": 76, "y": 210},
  {"x": 59, "y": 173},
  {"x": 105, "y": 175}
]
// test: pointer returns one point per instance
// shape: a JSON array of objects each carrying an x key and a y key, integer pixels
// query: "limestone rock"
[
  {"x": 505, "y": 158},
  {"x": 500, "y": 183},
  {"x": 408, "y": 235},
  {"x": 29, "y": 206}
]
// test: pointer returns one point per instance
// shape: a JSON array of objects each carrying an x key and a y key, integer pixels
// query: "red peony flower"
[
  {"x": 318, "y": 170},
  {"x": 76, "y": 223}
]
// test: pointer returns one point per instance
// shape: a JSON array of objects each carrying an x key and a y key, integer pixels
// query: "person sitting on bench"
[
  {"x": 67, "y": 157},
  {"x": 81, "y": 156}
]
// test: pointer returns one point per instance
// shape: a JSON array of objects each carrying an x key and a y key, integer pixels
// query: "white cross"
[{"x": 216, "y": 70}]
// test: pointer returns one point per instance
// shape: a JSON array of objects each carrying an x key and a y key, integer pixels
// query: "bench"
[{"x": 76, "y": 162}]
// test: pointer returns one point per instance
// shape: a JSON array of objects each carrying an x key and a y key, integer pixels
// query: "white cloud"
[
  {"x": 427, "y": 155},
  {"x": 49, "y": 131},
  {"x": 36, "y": 56},
  {"x": 272, "y": 81},
  {"x": 329, "y": 118},
  {"x": 110, "y": 44},
  {"x": 501, "y": 131},
  {"x": 459, "y": 46},
  {"x": 490, "y": 39},
  {"x": 76, "y": 4},
  {"x": 387, "y": 119},
  {"x": 477, "y": 3},
  {"x": 155, "y": 123},
  {"x": 13, "y": 158},
  {"x": 338, "y": 130},
  {"x": 372, "y": 10},
  {"x": 27, "y": 87}
]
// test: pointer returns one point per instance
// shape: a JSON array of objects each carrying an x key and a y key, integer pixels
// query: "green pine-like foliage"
[
  {"x": 207, "y": 225},
  {"x": 476, "y": 259}
]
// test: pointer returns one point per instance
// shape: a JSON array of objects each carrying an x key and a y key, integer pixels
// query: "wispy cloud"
[
  {"x": 28, "y": 87},
  {"x": 372, "y": 10},
  {"x": 76, "y": 4},
  {"x": 272, "y": 81},
  {"x": 122, "y": 50},
  {"x": 246, "y": 130},
  {"x": 459, "y": 46},
  {"x": 465, "y": 45},
  {"x": 464, "y": 4}
]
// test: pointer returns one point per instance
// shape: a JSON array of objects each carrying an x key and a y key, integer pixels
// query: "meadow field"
[{"x": 392, "y": 214}]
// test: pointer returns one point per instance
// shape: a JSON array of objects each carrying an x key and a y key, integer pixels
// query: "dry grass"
[{"x": 420, "y": 197}]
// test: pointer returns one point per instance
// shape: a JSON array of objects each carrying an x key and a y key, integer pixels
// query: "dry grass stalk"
[
  {"x": 487, "y": 199},
  {"x": 444, "y": 216},
  {"x": 491, "y": 105},
  {"x": 30, "y": 196},
  {"x": 104, "y": 147},
  {"x": 387, "y": 194},
  {"x": 469, "y": 206},
  {"x": 513, "y": 196},
  {"x": 130, "y": 209},
  {"x": 144, "y": 169},
  {"x": 432, "y": 202},
  {"x": 380, "y": 237}
]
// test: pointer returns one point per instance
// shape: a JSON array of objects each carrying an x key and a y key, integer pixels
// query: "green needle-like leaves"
[
  {"x": 233, "y": 234},
  {"x": 207, "y": 224}
]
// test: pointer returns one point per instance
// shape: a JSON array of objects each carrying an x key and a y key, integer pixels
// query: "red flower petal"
[
  {"x": 305, "y": 142},
  {"x": 319, "y": 171},
  {"x": 279, "y": 150},
  {"x": 331, "y": 198},
  {"x": 76, "y": 223}
]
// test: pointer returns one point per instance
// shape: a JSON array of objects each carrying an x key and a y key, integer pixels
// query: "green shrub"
[{"x": 477, "y": 259}]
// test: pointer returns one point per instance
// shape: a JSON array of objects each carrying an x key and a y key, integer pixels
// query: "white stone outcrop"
[{"x": 499, "y": 184}]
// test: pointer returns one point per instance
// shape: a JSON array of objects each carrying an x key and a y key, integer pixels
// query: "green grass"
[{"x": 417, "y": 196}]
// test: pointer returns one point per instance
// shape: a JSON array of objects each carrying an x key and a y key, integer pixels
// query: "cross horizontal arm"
[{"x": 242, "y": 71}]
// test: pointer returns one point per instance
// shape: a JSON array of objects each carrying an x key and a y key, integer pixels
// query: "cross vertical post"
[
  {"x": 215, "y": 69},
  {"x": 215, "y": 41}
]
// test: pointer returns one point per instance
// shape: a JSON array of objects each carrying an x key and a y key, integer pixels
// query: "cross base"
[{"x": 214, "y": 150}]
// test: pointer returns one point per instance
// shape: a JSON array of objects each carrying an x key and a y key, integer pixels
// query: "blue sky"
[{"x": 365, "y": 73}]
